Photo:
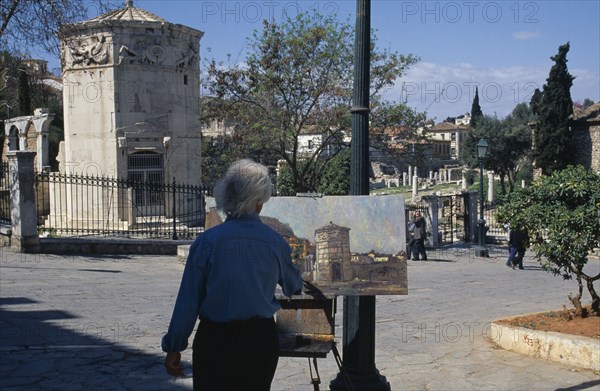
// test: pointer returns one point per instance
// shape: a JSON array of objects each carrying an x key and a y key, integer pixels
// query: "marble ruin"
[
  {"x": 30, "y": 133},
  {"x": 131, "y": 97}
]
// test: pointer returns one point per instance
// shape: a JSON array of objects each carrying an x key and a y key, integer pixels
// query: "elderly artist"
[{"x": 229, "y": 283}]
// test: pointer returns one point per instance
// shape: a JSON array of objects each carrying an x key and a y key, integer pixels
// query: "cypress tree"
[
  {"x": 24, "y": 93},
  {"x": 476, "y": 112},
  {"x": 553, "y": 148},
  {"x": 536, "y": 101}
]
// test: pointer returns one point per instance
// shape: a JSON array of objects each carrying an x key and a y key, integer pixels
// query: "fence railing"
[
  {"x": 494, "y": 227},
  {"x": 73, "y": 205}
]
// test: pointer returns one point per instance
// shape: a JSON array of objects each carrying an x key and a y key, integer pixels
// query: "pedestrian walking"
[
  {"x": 229, "y": 283},
  {"x": 518, "y": 240},
  {"x": 420, "y": 233}
]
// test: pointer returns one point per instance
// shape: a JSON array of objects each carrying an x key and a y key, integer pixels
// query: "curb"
[{"x": 576, "y": 350}]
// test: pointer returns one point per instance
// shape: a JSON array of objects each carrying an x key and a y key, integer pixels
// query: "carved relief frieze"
[
  {"x": 149, "y": 52},
  {"x": 87, "y": 51},
  {"x": 143, "y": 52},
  {"x": 188, "y": 58}
]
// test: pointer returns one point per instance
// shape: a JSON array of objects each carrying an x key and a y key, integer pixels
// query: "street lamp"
[{"x": 482, "y": 147}]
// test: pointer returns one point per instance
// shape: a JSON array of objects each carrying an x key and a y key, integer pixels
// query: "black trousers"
[
  {"x": 238, "y": 355},
  {"x": 418, "y": 248}
]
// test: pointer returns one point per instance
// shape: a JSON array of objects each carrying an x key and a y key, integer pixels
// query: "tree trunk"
[
  {"x": 580, "y": 312},
  {"x": 511, "y": 181},
  {"x": 503, "y": 183},
  {"x": 594, "y": 295}
]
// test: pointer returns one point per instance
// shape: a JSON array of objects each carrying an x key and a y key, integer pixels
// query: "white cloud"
[
  {"x": 448, "y": 90},
  {"x": 525, "y": 35}
]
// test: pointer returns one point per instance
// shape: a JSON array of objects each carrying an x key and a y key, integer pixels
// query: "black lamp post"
[
  {"x": 360, "y": 372},
  {"x": 482, "y": 147}
]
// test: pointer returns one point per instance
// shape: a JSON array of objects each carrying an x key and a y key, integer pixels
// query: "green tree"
[
  {"x": 536, "y": 101},
  {"x": 561, "y": 213},
  {"x": 335, "y": 180},
  {"x": 509, "y": 141},
  {"x": 587, "y": 102},
  {"x": 553, "y": 148},
  {"x": 297, "y": 77},
  {"x": 22, "y": 90},
  {"x": 218, "y": 153},
  {"x": 476, "y": 112},
  {"x": 393, "y": 130}
]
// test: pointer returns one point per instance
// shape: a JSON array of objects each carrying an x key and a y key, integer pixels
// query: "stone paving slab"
[{"x": 93, "y": 322}]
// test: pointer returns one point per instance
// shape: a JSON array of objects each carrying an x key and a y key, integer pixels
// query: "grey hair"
[{"x": 245, "y": 183}]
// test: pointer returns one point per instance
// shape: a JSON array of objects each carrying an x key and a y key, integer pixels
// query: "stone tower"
[
  {"x": 131, "y": 94},
  {"x": 333, "y": 253}
]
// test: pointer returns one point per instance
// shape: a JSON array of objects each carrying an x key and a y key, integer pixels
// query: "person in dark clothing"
[
  {"x": 410, "y": 229},
  {"x": 517, "y": 242},
  {"x": 420, "y": 233}
]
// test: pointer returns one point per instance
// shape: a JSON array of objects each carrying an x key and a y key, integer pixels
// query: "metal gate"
[
  {"x": 147, "y": 168},
  {"x": 453, "y": 219}
]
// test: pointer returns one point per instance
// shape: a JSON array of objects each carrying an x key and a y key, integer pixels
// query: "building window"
[{"x": 185, "y": 80}]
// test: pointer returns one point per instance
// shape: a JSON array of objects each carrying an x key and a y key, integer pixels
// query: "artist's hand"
[{"x": 173, "y": 364}]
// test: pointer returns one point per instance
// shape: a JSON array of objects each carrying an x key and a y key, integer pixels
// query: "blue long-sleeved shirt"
[{"x": 231, "y": 273}]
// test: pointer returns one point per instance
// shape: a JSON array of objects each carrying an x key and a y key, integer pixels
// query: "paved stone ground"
[{"x": 95, "y": 323}]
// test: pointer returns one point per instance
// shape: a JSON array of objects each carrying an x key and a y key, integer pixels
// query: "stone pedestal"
[{"x": 22, "y": 198}]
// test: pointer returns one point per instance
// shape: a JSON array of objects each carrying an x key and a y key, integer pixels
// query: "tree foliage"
[
  {"x": 393, "y": 130},
  {"x": 561, "y": 213},
  {"x": 509, "y": 141},
  {"x": 297, "y": 78},
  {"x": 27, "y": 24},
  {"x": 336, "y": 177},
  {"x": 553, "y": 148},
  {"x": 218, "y": 153}
]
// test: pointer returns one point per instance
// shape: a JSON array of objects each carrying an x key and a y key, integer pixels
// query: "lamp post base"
[
  {"x": 361, "y": 380},
  {"x": 482, "y": 252}
]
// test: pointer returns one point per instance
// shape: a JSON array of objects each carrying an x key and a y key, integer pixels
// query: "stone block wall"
[{"x": 586, "y": 139}]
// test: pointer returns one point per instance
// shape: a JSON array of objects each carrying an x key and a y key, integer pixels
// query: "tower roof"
[
  {"x": 129, "y": 15},
  {"x": 332, "y": 227},
  {"x": 129, "y": 12}
]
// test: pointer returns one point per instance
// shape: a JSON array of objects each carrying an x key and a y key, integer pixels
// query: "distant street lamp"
[{"x": 482, "y": 147}]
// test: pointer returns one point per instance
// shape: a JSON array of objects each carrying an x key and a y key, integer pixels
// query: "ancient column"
[{"x": 490, "y": 187}]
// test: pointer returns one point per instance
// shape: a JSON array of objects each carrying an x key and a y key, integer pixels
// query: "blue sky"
[{"x": 503, "y": 47}]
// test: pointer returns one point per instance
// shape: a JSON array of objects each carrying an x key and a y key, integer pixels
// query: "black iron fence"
[
  {"x": 4, "y": 194},
  {"x": 73, "y": 205},
  {"x": 493, "y": 226}
]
